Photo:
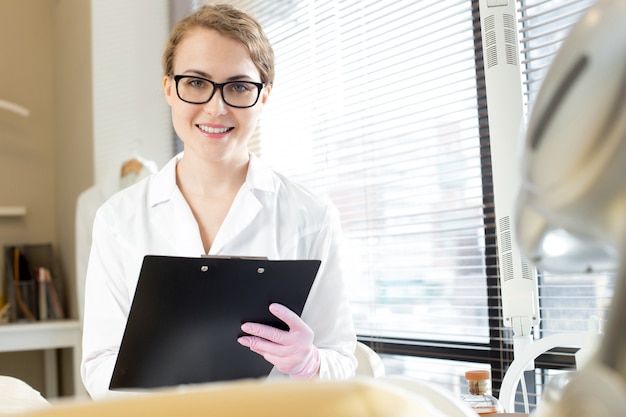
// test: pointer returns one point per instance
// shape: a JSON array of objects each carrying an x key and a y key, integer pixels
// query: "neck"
[{"x": 210, "y": 178}]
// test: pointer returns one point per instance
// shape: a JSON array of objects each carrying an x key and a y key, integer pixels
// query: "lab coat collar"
[
  {"x": 259, "y": 177},
  {"x": 163, "y": 187},
  {"x": 163, "y": 192}
]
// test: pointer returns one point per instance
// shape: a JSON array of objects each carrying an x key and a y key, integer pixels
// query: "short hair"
[{"x": 230, "y": 22}]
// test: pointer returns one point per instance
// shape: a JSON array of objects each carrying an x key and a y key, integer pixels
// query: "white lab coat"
[
  {"x": 87, "y": 204},
  {"x": 270, "y": 217}
]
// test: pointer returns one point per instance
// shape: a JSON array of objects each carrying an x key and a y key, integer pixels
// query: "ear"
[
  {"x": 265, "y": 93},
  {"x": 169, "y": 89}
]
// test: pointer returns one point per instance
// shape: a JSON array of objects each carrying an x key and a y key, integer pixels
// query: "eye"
[
  {"x": 197, "y": 83},
  {"x": 240, "y": 87}
]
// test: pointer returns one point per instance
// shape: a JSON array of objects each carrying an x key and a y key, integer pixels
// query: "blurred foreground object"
[
  {"x": 16, "y": 396},
  {"x": 572, "y": 204},
  {"x": 353, "y": 398}
]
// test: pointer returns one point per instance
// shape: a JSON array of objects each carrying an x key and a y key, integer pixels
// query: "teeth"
[{"x": 214, "y": 129}]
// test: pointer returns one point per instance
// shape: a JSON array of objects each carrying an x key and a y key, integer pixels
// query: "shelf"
[
  {"x": 12, "y": 211},
  {"x": 50, "y": 334},
  {"x": 47, "y": 336}
]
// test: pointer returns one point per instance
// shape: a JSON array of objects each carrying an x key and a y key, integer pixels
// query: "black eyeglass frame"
[{"x": 218, "y": 86}]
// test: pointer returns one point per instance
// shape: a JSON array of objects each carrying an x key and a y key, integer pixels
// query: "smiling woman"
[
  {"x": 200, "y": 55},
  {"x": 215, "y": 198}
]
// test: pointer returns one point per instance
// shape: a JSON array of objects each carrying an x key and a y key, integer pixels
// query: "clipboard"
[{"x": 186, "y": 315}]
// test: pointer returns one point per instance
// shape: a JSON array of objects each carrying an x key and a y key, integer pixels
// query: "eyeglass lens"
[{"x": 235, "y": 93}]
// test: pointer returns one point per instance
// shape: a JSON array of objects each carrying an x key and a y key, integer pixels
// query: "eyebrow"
[{"x": 208, "y": 76}]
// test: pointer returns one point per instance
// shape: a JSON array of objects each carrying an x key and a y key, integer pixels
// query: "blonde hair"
[{"x": 230, "y": 22}]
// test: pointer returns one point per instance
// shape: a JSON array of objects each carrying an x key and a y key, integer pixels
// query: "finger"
[
  {"x": 254, "y": 343},
  {"x": 282, "y": 359},
  {"x": 263, "y": 347},
  {"x": 291, "y": 319},
  {"x": 266, "y": 332}
]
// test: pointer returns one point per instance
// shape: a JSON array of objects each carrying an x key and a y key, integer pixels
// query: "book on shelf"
[
  {"x": 49, "y": 303},
  {"x": 23, "y": 286}
]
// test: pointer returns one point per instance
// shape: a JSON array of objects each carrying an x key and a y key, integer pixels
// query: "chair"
[{"x": 369, "y": 363}]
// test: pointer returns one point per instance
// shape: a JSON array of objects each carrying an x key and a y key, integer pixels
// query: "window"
[
  {"x": 403, "y": 164},
  {"x": 382, "y": 106}
]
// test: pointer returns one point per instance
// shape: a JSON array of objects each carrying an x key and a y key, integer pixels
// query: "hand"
[{"x": 291, "y": 352}]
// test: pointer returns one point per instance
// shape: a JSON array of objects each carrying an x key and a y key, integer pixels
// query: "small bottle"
[{"x": 479, "y": 397}]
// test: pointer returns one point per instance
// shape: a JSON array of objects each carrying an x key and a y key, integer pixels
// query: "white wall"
[{"x": 130, "y": 112}]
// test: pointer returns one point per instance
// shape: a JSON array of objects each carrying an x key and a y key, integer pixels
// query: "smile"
[{"x": 214, "y": 130}]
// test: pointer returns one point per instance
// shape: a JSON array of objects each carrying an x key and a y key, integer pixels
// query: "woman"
[{"x": 216, "y": 198}]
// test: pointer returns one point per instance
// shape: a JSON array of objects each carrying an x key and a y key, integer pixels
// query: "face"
[{"x": 213, "y": 131}]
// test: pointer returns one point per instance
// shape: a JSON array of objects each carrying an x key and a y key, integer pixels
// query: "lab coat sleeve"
[
  {"x": 328, "y": 310},
  {"x": 107, "y": 304}
]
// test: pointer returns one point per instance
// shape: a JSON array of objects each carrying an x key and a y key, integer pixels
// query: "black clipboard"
[{"x": 186, "y": 315}]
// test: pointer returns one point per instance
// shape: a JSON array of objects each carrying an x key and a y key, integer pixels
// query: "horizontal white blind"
[{"x": 375, "y": 105}]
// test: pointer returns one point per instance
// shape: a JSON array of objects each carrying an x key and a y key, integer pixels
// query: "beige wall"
[
  {"x": 46, "y": 159},
  {"x": 84, "y": 119},
  {"x": 74, "y": 155},
  {"x": 27, "y": 145}
]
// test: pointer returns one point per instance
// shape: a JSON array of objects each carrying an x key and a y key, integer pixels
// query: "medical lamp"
[{"x": 571, "y": 214}]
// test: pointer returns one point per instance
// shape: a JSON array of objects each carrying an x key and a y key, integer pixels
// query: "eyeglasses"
[{"x": 198, "y": 90}]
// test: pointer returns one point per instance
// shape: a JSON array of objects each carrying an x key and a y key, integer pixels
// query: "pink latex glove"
[{"x": 291, "y": 352}]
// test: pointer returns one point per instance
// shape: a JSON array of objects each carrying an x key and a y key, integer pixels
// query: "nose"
[{"x": 216, "y": 104}]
